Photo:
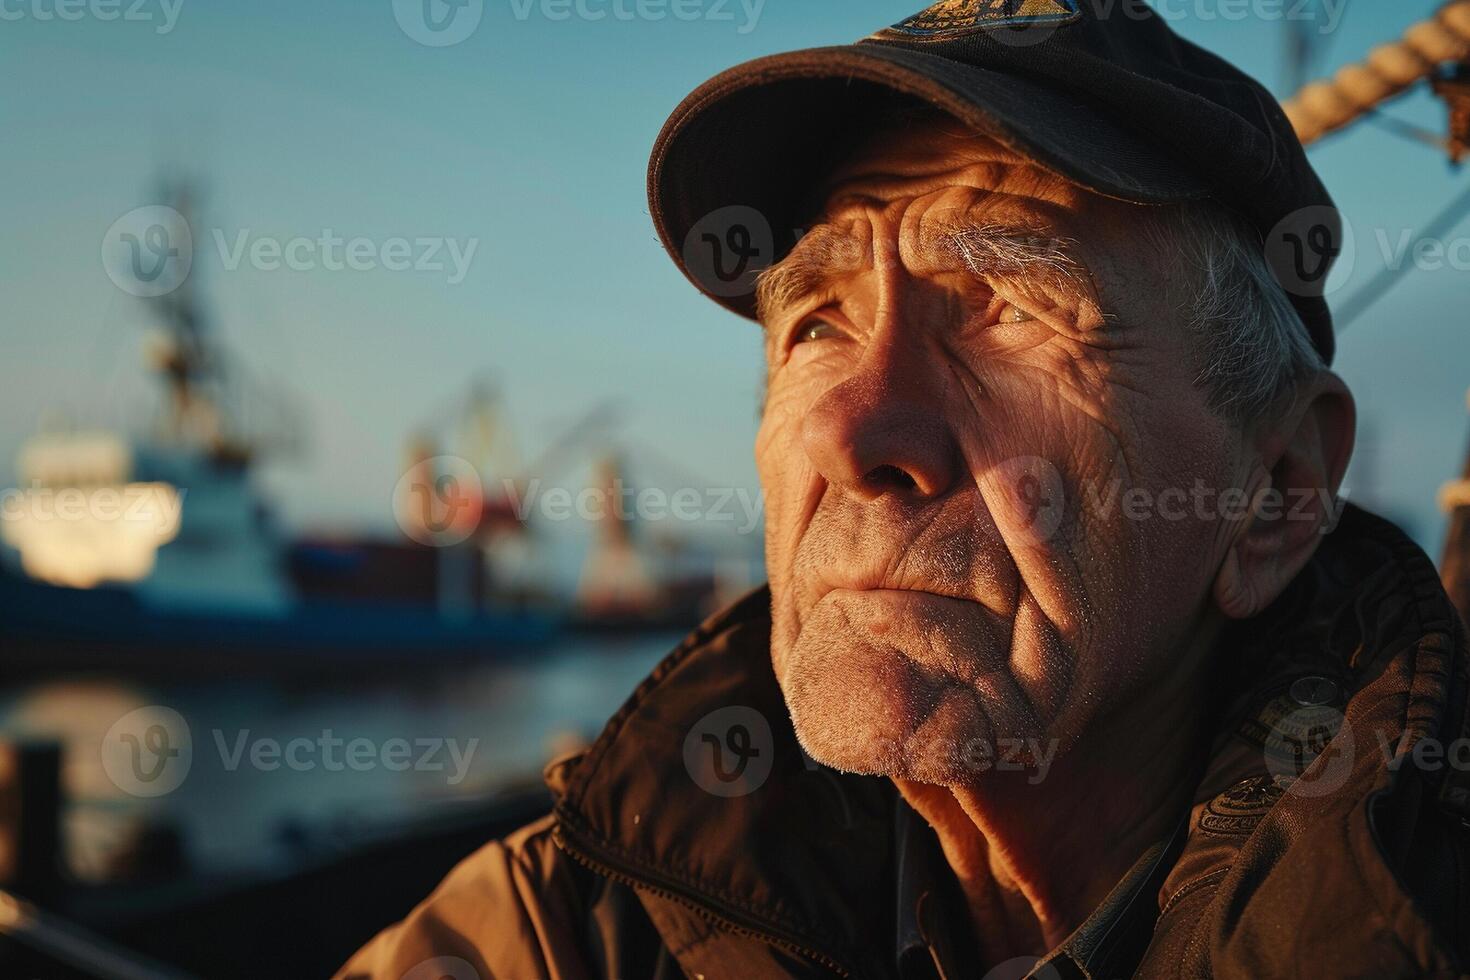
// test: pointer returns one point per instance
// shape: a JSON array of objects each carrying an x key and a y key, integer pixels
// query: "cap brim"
[{"x": 762, "y": 136}]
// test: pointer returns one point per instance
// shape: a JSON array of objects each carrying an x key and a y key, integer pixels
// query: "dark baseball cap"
[{"x": 1102, "y": 92}]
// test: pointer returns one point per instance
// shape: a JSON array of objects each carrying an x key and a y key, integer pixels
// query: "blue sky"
[{"x": 530, "y": 136}]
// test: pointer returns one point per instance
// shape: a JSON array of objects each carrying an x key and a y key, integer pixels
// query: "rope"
[
  {"x": 1324, "y": 106},
  {"x": 1454, "y": 494}
]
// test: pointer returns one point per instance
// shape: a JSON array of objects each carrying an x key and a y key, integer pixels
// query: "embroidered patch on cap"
[{"x": 954, "y": 18}]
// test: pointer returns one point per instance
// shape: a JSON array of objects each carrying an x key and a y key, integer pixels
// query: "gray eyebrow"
[
  {"x": 1003, "y": 250},
  {"x": 826, "y": 255},
  {"x": 823, "y": 256}
]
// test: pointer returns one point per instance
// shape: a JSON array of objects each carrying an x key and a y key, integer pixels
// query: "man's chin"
[
  {"x": 873, "y": 753},
  {"x": 872, "y": 689}
]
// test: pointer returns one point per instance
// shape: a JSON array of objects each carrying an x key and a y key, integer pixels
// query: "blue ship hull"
[{"x": 76, "y": 627}]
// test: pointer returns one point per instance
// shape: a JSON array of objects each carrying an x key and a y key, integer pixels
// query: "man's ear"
[{"x": 1302, "y": 456}]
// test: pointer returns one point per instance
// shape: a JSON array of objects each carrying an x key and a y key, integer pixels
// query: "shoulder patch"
[
  {"x": 1235, "y": 812},
  {"x": 957, "y": 18}
]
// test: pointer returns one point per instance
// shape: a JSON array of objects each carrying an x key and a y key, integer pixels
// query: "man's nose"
[{"x": 872, "y": 436}]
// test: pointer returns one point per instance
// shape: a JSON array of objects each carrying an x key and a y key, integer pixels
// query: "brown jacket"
[{"x": 1358, "y": 869}]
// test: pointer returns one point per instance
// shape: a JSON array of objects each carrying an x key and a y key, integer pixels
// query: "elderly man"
[{"x": 1071, "y": 663}]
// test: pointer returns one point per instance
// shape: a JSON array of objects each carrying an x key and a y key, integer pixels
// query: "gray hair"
[{"x": 1254, "y": 347}]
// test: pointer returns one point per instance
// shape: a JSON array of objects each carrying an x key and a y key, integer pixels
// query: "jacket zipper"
[{"x": 722, "y": 917}]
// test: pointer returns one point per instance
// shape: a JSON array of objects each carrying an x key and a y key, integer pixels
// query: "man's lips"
[
  {"x": 901, "y": 591},
  {"x": 940, "y": 634}
]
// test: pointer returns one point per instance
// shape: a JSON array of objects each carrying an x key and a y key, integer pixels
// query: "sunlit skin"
[{"x": 923, "y": 616}]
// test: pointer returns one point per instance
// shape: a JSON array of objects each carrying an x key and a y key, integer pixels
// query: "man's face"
[{"x": 971, "y": 363}]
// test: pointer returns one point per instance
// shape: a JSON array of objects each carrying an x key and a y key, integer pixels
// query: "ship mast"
[
  {"x": 182, "y": 357},
  {"x": 213, "y": 406}
]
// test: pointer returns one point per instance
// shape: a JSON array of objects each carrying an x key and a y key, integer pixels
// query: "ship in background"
[{"x": 171, "y": 558}]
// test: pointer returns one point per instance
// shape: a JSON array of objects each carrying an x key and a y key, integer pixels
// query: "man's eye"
[
  {"x": 815, "y": 330},
  {"x": 1010, "y": 313}
]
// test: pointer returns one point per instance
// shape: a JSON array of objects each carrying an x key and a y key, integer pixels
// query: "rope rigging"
[{"x": 1325, "y": 106}]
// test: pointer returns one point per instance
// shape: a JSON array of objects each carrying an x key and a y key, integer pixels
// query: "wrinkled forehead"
[
  {"x": 959, "y": 199},
  {"x": 925, "y": 154},
  {"x": 912, "y": 139},
  {"x": 963, "y": 177}
]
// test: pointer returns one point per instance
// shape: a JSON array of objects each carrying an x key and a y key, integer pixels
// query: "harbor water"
[{"x": 265, "y": 774}]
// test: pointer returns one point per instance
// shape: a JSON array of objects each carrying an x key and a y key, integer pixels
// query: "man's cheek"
[
  {"x": 1029, "y": 467},
  {"x": 785, "y": 505},
  {"x": 789, "y": 397},
  {"x": 785, "y": 476},
  {"x": 789, "y": 480},
  {"x": 778, "y": 439}
]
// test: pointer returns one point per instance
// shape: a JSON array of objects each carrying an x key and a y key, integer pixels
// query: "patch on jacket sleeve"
[
  {"x": 956, "y": 18},
  {"x": 1235, "y": 812}
]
